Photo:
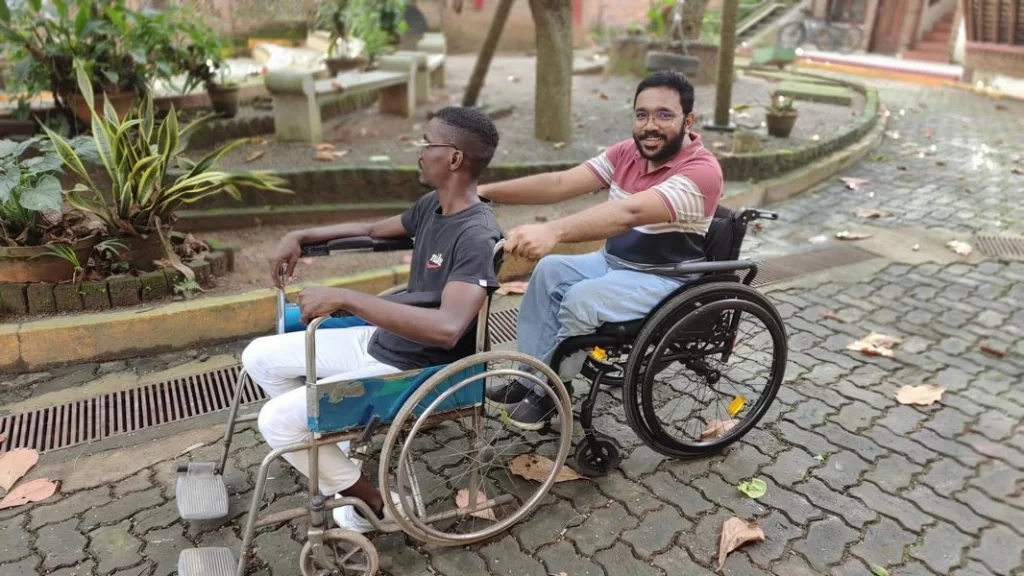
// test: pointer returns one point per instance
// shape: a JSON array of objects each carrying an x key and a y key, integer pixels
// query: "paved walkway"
[{"x": 855, "y": 480}]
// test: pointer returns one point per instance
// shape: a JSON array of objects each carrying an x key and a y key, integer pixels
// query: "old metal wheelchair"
[
  {"x": 452, "y": 494},
  {"x": 715, "y": 346}
]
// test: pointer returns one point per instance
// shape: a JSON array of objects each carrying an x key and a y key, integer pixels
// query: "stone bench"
[
  {"x": 436, "y": 48},
  {"x": 298, "y": 96}
]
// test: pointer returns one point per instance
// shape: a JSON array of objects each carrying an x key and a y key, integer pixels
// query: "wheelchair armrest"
[
  {"x": 357, "y": 243},
  {"x": 717, "y": 267},
  {"x": 417, "y": 299},
  {"x": 751, "y": 214}
]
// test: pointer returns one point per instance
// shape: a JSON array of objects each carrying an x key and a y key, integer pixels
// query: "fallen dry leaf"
[
  {"x": 1018, "y": 170},
  {"x": 558, "y": 145},
  {"x": 535, "y": 467},
  {"x": 539, "y": 218},
  {"x": 15, "y": 464},
  {"x": 870, "y": 213},
  {"x": 922, "y": 395},
  {"x": 853, "y": 183},
  {"x": 324, "y": 146},
  {"x": 815, "y": 137},
  {"x": 34, "y": 491},
  {"x": 254, "y": 156},
  {"x": 339, "y": 153},
  {"x": 323, "y": 156},
  {"x": 961, "y": 248},
  {"x": 1001, "y": 107},
  {"x": 462, "y": 501},
  {"x": 602, "y": 96},
  {"x": 928, "y": 132},
  {"x": 830, "y": 315},
  {"x": 876, "y": 344},
  {"x": 716, "y": 428},
  {"x": 984, "y": 348},
  {"x": 512, "y": 288},
  {"x": 847, "y": 235},
  {"x": 757, "y": 227},
  {"x": 579, "y": 124},
  {"x": 735, "y": 533},
  {"x": 513, "y": 79}
]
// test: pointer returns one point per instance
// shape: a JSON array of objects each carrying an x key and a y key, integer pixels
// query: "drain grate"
[
  {"x": 132, "y": 410},
  {"x": 792, "y": 266},
  {"x": 1011, "y": 247},
  {"x": 124, "y": 411}
]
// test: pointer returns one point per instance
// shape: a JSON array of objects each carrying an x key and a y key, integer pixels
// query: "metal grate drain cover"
[
  {"x": 135, "y": 409},
  {"x": 1011, "y": 247},
  {"x": 124, "y": 411}
]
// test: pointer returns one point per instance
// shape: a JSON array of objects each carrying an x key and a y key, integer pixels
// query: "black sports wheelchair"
[{"x": 712, "y": 352}]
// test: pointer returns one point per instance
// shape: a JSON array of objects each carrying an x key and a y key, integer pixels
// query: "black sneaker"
[
  {"x": 509, "y": 394},
  {"x": 532, "y": 412}
]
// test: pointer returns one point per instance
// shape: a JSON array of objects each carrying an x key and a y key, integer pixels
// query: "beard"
[{"x": 669, "y": 149}]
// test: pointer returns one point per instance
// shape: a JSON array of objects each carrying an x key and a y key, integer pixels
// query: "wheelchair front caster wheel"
[
  {"x": 597, "y": 457},
  {"x": 343, "y": 553}
]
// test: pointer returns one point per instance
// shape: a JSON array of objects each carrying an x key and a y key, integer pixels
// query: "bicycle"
[{"x": 825, "y": 34}]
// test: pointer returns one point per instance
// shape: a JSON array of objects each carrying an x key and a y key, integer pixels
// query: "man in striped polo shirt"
[{"x": 664, "y": 187}]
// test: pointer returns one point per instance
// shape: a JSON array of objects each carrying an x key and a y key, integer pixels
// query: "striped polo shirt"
[{"x": 690, "y": 184}]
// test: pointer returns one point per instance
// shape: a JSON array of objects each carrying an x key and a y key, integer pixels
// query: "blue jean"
[{"x": 573, "y": 295}]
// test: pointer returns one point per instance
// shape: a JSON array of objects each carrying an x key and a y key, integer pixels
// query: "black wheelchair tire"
[
  {"x": 585, "y": 457},
  {"x": 636, "y": 389}
]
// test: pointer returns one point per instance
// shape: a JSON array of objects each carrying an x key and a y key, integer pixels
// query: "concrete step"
[
  {"x": 938, "y": 37},
  {"x": 940, "y": 57},
  {"x": 943, "y": 26},
  {"x": 940, "y": 47}
]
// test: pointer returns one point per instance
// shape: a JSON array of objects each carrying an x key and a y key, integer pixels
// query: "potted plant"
[
  {"x": 41, "y": 240},
  {"x": 780, "y": 116},
  {"x": 20, "y": 122},
  {"x": 379, "y": 24},
  {"x": 343, "y": 52},
  {"x": 135, "y": 199},
  {"x": 45, "y": 41},
  {"x": 224, "y": 96}
]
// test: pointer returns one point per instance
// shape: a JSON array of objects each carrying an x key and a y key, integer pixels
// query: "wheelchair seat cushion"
[{"x": 627, "y": 330}]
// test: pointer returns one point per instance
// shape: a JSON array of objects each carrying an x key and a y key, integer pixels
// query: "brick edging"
[{"x": 44, "y": 298}]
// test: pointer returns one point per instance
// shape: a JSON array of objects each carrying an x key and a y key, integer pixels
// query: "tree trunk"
[
  {"x": 552, "y": 20},
  {"x": 483, "y": 60},
  {"x": 726, "y": 50}
]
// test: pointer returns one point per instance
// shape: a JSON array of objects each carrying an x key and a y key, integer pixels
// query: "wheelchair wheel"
[
  {"x": 344, "y": 553},
  {"x": 464, "y": 489},
  {"x": 704, "y": 356},
  {"x": 596, "y": 458}
]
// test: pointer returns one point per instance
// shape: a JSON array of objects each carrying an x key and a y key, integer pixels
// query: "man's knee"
[
  {"x": 278, "y": 425},
  {"x": 256, "y": 353},
  {"x": 578, "y": 314},
  {"x": 550, "y": 267}
]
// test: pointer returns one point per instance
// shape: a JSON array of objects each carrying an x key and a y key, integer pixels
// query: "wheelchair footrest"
[
  {"x": 201, "y": 492},
  {"x": 206, "y": 562}
]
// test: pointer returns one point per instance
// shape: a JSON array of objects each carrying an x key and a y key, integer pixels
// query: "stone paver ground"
[{"x": 855, "y": 480}]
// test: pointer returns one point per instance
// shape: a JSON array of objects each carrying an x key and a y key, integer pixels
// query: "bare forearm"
[
  {"x": 536, "y": 189},
  {"x": 597, "y": 223},
  {"x": 428, "y": 326},
  {"x": 332, "y": 232}
]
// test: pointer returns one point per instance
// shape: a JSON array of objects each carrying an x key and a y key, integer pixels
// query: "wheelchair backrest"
[{"x": 725, "y": 236}]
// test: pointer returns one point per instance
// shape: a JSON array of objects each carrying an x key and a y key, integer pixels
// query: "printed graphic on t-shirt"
[{"x": 435, "y": 261}]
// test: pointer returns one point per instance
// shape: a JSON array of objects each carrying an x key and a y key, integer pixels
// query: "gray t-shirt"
[{"x": 449, "y": 248}]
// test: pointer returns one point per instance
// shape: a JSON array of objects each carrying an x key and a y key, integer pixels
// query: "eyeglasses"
[
  {"x": 661, "y": 117},
  {"x": 421, "y": 144}
]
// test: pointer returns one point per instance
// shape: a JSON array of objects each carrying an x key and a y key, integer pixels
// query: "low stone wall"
[
  {"x": 330, "y": 189},
  {"x": 42, "y": 298}
]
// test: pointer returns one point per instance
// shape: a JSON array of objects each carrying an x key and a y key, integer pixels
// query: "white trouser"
[{"x": 278, "y": 365}]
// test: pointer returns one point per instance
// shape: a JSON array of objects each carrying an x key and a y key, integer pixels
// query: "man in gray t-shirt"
[{"x": 455, "y": 232}]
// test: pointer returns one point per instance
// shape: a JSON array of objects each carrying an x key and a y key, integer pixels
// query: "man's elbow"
[{"x": 448, "y": 336}]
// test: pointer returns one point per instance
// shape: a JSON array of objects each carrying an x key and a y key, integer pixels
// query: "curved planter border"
[
  {"x": 319, "y": 188},
  {"x": 44, "y": 298}
]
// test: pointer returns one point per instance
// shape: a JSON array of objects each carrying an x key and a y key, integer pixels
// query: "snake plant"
[{"x": 135, "y": 198}]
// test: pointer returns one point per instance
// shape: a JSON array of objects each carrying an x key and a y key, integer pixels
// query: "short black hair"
[
  {"x": 474, "y": 132},
  {"x": 669, "y": 79}
]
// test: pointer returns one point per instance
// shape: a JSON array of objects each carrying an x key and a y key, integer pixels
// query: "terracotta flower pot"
[
  {"x": 38, "y": 264},
  {"x": 122, "y": 102},
  {"x": 140, "y": 251},
  {"x": 780, "y": 124}
]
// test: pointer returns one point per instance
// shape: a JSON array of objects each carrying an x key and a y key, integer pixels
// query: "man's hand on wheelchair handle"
[
  {"x": 286, "y": 255},
  {"x": 532, "y": 241},
  {"x": 318, "y": 301}
]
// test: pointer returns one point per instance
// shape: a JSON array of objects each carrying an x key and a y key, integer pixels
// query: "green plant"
[
  {"x": 781, "y": 104},
  {"x": 135, "y": 153},
  {"x": 28, "y": 187},
  {"x": 64, "y": 252},
  {"x": 378, "y": 23},
  {"x": 185, "y": 287}
]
